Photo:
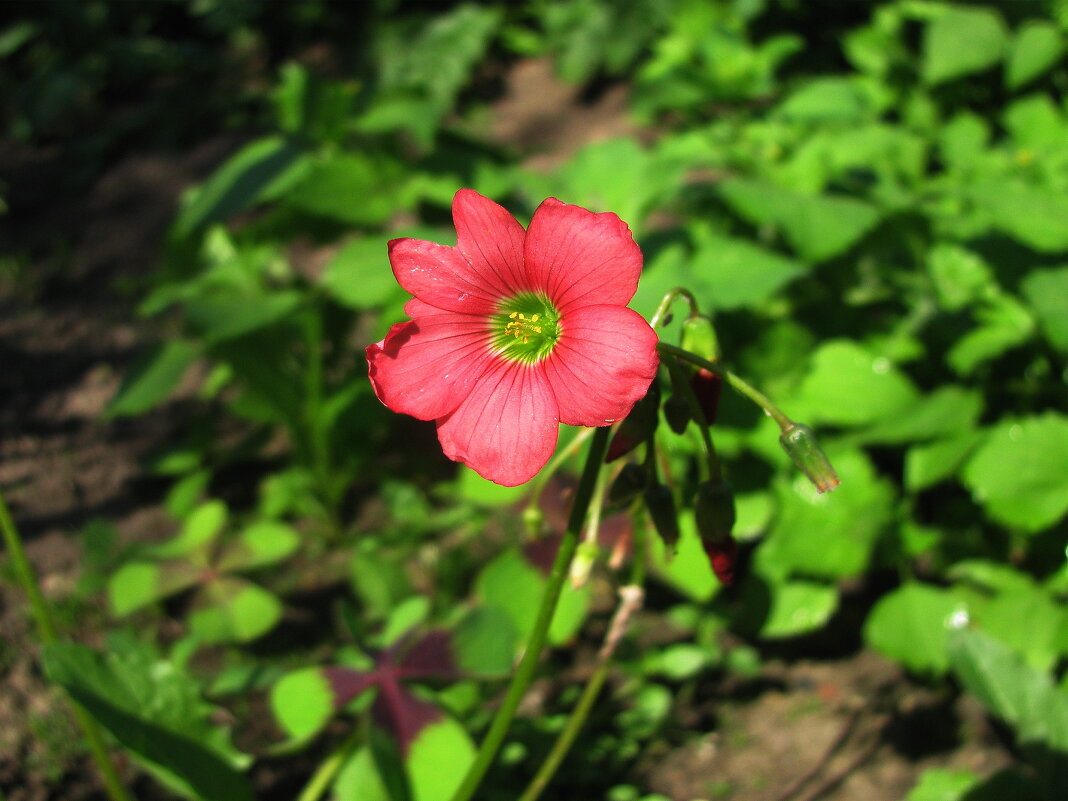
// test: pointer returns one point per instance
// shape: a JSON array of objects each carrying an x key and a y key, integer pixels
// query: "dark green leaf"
[{"x": 152, "y": 378}]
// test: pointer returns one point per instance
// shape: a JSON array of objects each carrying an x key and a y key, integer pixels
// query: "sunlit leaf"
[{"x": 152, "y": 378}]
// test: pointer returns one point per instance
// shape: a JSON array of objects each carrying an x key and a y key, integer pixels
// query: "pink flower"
[{"x": 514, "y": 331}]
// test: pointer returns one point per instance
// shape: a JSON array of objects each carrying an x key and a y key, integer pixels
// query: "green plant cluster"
[{"x": 872, "y": 202}]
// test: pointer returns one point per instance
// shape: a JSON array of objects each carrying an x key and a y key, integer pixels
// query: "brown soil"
[{"x": 851, "y": 728}]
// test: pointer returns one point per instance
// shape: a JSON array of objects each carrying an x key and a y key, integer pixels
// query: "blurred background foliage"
[{"x": 872, "y": 200}]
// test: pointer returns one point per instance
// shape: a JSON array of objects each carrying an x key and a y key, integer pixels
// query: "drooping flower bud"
[
  {"x": 637, "y": 426},
  {"x": 677, "y": 413},
  {"x": 724, "y": 557},
  {"x": 661, "y": 505},
  {"x": 714, "y": 511},
  {"x": 629, "y": 484},
  {"x": 707, "y": 387},
  {"x": 698, "y": 336},
  {"x": 799, "y": 441}
]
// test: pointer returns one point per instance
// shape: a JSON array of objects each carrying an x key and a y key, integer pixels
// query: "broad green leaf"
[
  {"x": 259, "y": 544},
  {"x": 826, "y": 100},
  {"x": 961, "y": 41},
  {"x": 137, "y": 584},
  {"x": 481, "y": 491},
  {"x": 359, "y": 780},
  {"x": 677, "y": 662},
  {"x": 964, "y": 139},
  {"x": 380, "y": 580},
  {"x": 688, "y": 569},
  {"x": 798, "y": 607},
  {"x": 911, "y": 625},
  {"x": 849, "y": 385},
  {"x": 152, "y": 378},
  {"x": 259, "y": 171},
  {"x": 946, "y": 411},
  {"x": 302, "y": 702},
  {"x": 155, "y": 714},
  {"x": 1047, "y": 292},
  {"x": 1010, "y": 689},
  {"x": 1020, "y": 473},
  {"x": 404, "y": 617},
  {"x": 354, "y": 188},
  {"x": 236, "y": 610},
  {"x": 928, "y": 464},
  {"x": 960, "y": 276},
  {"x": 1037, "y": 125},
  {"x": 829, "y": 535},
  {"x": 359, "y": 275},
  {"x": 1037, "y": 46},
  {"x": 1002, "y": 323},
  {"x": 818, "y": 227},
  {"x": 941, "y": 784},
  {"x": 199, "y": 530},
  {"x": 188, "y": 491},
  {"x": 438, "y": 759},
  {"x": 1045, "y": 637},
  {"x": 1033, "y": 215},
  {"x": 484, "y": 642},
  {"x": 733, "y": 273},
  {"x": 223, "y": 316}
]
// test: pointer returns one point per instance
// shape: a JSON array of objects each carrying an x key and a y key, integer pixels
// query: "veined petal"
[
  {"x": 579, "y": 258},
  {"x": 427, "y": 366},
  {"x": 491, "y": 239},
  {"x": 602, "y": 365},
  {"x": 506, "y": 429},
  {"x": 441, "y": 276}
]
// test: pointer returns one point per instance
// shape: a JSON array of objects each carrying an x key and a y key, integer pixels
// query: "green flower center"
[{"x": 526, "y": 328}]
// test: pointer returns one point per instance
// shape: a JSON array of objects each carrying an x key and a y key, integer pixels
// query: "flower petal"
[
  {"x": 506, "y": 430},
  {"x": 441, "y": 276},
  {"x": 427, "y": 366},
  {"x": 491, "y": 240},
  {"x": 578, "y": 257},
  {"x": 602, "y": 365}
]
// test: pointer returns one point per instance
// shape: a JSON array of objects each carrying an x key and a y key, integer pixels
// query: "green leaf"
[
  {"x": 259, "y": 171},
  {"x": 1003, "y": 323},
  {"x": 380, "y": 580},
  {"x": 911, "y": 625},
  {"x": 817, "y": 227},
  {"x": 1045, "y": 637},
  {"x": 137, "y": 584},
  {"x": 1047, "y": 292},
  {"x": 302, "y": 702},
  {"x": 353, "y": 188},
  {"x": 1033, "y": 215},
  {"x": 152, "y": 378},
  {"x": 941, "y": 784},
  {"x": 733, "y": 273},
  {"x": 484, "y": 642},
  {"x": 359, "y": 275},
  {"x": 154, "y": 713},
  {"x": 946, "y": 411},
  {"x": 677, "y": 662},
  {"x": 1010, "y": 689},
  {"x": 829, "y": 535},
  {"x": 960, "y": 276},
  {"x": 798, "y": 607},
  {"x": 259, "y": 544},
  {"x": 849, "y": 385},
  {"x": 473, "y": 487},
  {"x": 1020, "y": 473},
  {"x": 238, "y": 611},
  {"x": 198, "y": 531},
  {"x": 961, "y": 41},
  {"x": 227, "y": 315},
  {"x": 826, "y": 100},
  {"x": 438, "y": 759},
  {"x": 359, "y": 780},
  {"x": 1037, "y": 46},
  {"x": 926, "y": 465},
  {"x": 688, "y": 569}
]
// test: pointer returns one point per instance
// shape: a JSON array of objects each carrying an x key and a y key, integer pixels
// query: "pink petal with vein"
[
  {"x": 602, "y": 364},
  {"x": 506, "y": 429},
  {"x": 491, "y": 240},
  {"x": 441, "y": 276},
  {"x": 578, "y": 258}
]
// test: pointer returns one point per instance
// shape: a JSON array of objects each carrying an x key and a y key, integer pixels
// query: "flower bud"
[
  {"x": 533, "y": 517},
  {"x": 661, "y": 505},
  {"x": 637, "y": 426},
  {"x": 799, "y": 441},
  {"x": 724, "y": 557},
  {"x": 714, "y": 511},
  {"x": 698, "y": 336},
  {"x": 706, "y": 386},
  {"x": 629, "y": 484},
  {"x": 582, "y": 564},
  {"x": 677, "y": 413}
]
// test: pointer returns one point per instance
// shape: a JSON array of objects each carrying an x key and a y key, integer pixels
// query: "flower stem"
[
  {"x": 630, "y": 600},
  {"x": 661, "y": 311},
  {"x": 714, "y": 468},
  {"x": 737, "y": 382},
  {"x": 330, "y": 767},
  {"x": 524, "y": 673},
  {"x": 24, "y": 574}
]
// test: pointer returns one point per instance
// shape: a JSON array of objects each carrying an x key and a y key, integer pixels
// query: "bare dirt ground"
[{"x": 836, "y": 729}]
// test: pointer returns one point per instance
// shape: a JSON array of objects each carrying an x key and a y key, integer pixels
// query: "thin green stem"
[
  {"x": 94, "y": 739},
  {"x": 330, "y": 767},
  {"x": 737, "y": 382},
  {"x": 630, "y": 599},
  {"x": 524, "y": 673},
  {"x": 661, "y": 311},
  {"x": 554, "y": 464}
]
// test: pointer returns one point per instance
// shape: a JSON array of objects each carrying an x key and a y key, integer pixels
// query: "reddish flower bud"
[
  {"x": 724, "y": 557},
  {"x": 706, "y": 386},
  {"x": 799, "y": 441},
  {"x": 637, "y": 426},
  {"x": 661, "y": 505}
]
